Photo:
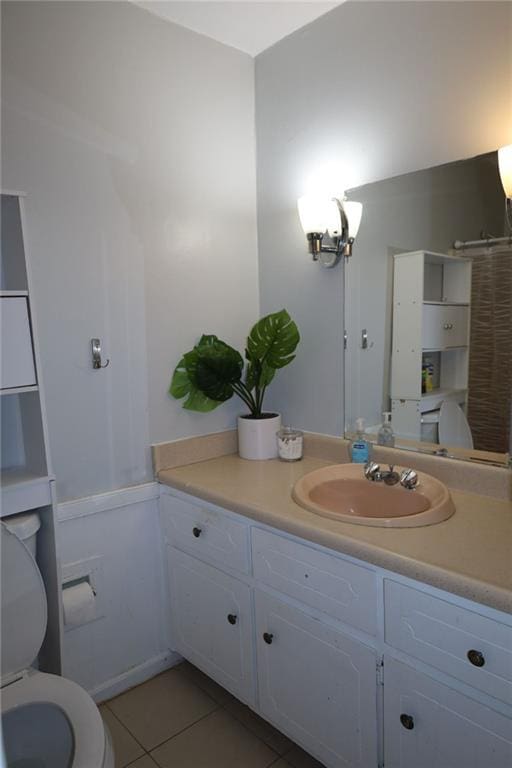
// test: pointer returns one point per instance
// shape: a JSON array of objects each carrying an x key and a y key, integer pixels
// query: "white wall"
[
  {"x": 116, "y": 538},
  {"x": 368, "y": 91},
  {"x": 134, "y": 140}
]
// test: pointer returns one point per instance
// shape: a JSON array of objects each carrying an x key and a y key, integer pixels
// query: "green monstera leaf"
[
  {"x": 212, "y": 371},
  {"x": 218, "y": 368},
  {"x": 184, "y": 381},
  {"x": 272, "y": 341}
]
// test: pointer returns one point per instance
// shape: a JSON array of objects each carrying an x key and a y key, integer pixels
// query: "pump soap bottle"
[
  {"x": 360, "y": 448},
  {"x": 385, "y": 435}
]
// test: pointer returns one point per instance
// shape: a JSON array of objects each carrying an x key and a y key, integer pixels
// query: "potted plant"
[{"x": 212, "y": 372}]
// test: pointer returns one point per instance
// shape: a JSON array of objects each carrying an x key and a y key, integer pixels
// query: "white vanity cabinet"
[
  {"x": 248, "y": 619},
  {"x": 360, "y": 666},
  {"x": 427, "y": 724},
  {"x": 212, "y": 623},
  {"x": 316, "y": 684}
]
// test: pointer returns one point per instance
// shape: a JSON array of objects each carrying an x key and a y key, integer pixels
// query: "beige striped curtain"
[{"x": 490, "y": 352}]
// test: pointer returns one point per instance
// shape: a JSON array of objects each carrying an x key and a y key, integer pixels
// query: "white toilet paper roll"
[{"x": 79, "y": 603}]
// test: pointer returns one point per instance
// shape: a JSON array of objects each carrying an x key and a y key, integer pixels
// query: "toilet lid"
[
  {"x": 453, "y": 426},
  {"x": 23, "y": 606}
]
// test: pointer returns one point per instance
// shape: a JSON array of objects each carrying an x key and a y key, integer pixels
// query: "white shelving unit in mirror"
[{"x": 431, "y": 321}]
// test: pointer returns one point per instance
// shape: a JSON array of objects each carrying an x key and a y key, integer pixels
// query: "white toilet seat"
[
  {"x": 92, "y": 747},
  {"x": 454, "y": 428}
]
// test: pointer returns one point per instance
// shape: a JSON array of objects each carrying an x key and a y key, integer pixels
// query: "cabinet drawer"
[
  {"x": 444, "y": 327},
  {"x": 448, "y": 637},
  {"x": 17, "y": 363},
  {"x": 206, "y": 533},
  {"x": 325, "y": 582},
  {"x": 212, "y": 622}
]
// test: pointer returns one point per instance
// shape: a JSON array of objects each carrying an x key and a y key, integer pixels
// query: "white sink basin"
[{"x": 342, "y": 492}]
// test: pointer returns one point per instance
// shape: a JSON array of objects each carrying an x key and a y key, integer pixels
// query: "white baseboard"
[{"x": 134, "y": 676}]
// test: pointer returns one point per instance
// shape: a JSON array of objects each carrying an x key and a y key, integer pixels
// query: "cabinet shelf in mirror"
[
  {"x": 444, "y": 349},
  {"x": 8, "y": 294},
  {"x": 447, "y": 303}
]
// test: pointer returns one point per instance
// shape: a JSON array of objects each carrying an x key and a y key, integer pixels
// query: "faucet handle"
[
  {"x": 409, "y": 479},
  {"x": 371, "y": 470}
]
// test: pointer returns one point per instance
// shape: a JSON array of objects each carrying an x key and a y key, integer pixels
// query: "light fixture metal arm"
[{"x": 342, "y": 243}]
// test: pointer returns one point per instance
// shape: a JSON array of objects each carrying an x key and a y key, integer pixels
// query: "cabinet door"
[
  {"x": 429, "y": 725},
  {"x": 444, "y": 326},
  {"x": 17, "y": 364},
  {"x": 316, "y": 684},
  {"x": 212, "y": 622}
]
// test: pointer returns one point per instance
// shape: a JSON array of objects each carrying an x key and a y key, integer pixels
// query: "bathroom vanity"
[{"x": 340, "y": 635}]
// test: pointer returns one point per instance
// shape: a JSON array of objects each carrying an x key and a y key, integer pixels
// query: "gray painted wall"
[
  {"x": 134, "y": 141},
  {"x": 368, "y": 91}
]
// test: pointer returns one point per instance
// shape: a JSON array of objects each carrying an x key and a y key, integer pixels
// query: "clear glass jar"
[{"x": 290, "y": 444}]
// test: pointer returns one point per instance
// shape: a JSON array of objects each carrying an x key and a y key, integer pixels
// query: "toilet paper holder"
[
  {"x": 78, "y": 603},
  {"x": 77, "y": 581},
  {"x": 88, "y": 571}
]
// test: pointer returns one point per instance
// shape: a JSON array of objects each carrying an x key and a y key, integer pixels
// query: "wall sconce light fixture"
[
  {"x": 505, "y": 168},
  {"x": 338, "y": 219}
]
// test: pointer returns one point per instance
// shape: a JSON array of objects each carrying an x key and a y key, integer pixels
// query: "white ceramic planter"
[{"x": 257, "y": 437}]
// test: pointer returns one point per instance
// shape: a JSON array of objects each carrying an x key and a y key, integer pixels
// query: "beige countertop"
[{"x": 469, "y": 555}]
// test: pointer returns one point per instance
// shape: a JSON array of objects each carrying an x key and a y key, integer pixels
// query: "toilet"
[
  {"x": 447, "y": 426},
  {"x": 48, "y": 721},
  {"x": 454, "y": 428}
]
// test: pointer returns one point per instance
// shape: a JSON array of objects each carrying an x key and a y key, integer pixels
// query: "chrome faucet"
[
  {"x": 373, "y": 472},
  {"x": 408, "y": 478}
]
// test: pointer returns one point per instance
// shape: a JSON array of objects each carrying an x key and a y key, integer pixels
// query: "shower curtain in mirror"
[{"x": 490, "y": 358}]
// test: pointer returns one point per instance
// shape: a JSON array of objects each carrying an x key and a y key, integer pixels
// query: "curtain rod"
[{"x": 461, "y": 245}]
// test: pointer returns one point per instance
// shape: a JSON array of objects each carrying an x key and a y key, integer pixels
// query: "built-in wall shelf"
[
  {"x": 22, "y": 490},
  {"x": 19, "y": 390},
  {"x": 448, "y": 303},
  {"x": 26, "y": 480}
]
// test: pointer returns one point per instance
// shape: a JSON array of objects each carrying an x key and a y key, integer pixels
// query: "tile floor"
[{"x": 182, "y": 719}]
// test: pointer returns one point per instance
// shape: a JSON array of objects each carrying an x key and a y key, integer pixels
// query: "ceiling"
[{"x": 249, "y": 26}]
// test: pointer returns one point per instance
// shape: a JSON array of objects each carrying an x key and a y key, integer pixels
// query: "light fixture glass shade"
[
  {"x": 334, "y": 225},
  {"x": 353, "y": 212},
  {"x": 313, "y": 213},
  {"x": 505, "y": 167}
]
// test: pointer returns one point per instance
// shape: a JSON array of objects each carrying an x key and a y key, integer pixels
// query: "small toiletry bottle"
[
  {"x": 423, "y": 379},
  {"x": 430, "y": 376},
  {"x": 385, "y": 435},
  {"x": 428, "y": 381},
  {"x": 360, "y": 448}
]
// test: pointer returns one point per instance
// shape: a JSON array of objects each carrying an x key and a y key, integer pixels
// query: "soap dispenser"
[
  {"x": 360, "y": 448},
  {"x": 385, "y": 435}
]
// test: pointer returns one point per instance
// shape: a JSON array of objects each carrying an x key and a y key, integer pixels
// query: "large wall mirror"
[{"x": 428, "y": 297}]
